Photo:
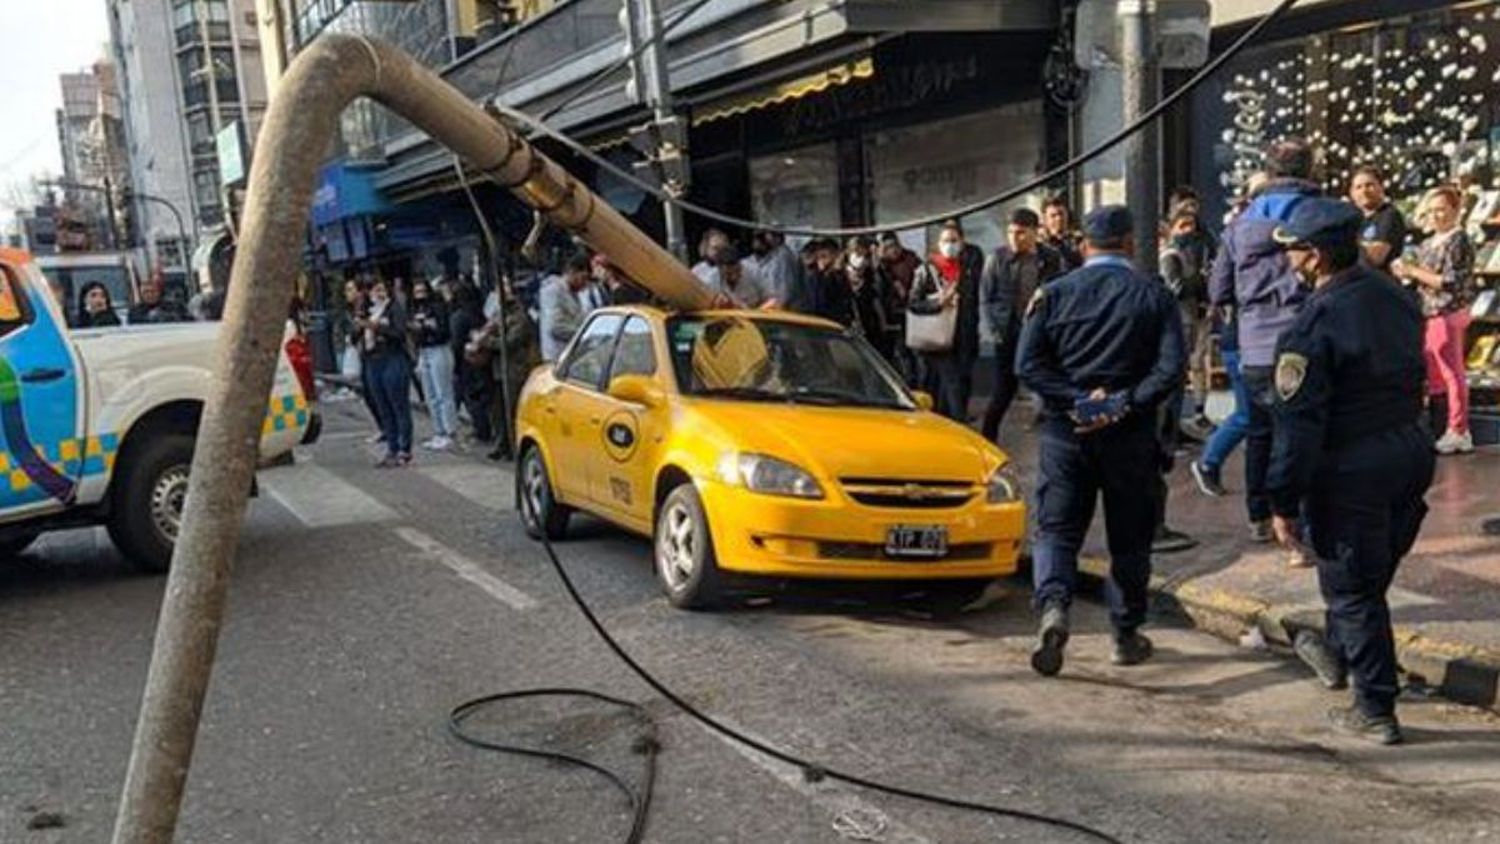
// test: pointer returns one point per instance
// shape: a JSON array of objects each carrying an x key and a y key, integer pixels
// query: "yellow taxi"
[{"x": 761, "y": 443}]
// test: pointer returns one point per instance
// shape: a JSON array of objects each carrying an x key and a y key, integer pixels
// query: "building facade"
[
  {"x": 188, "y": 71},
  {"x": 96, "y": 172}
]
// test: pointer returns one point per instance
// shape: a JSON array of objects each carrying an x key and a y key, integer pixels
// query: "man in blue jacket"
[{"x": 1252, "y": 275}]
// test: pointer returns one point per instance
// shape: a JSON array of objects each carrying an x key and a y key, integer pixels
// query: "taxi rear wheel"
[
  {"x": 541, "y": 514},
  {"x": 686, "y": 564}
]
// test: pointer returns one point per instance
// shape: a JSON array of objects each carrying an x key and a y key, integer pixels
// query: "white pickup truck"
[{"x": 98, "y": 426}]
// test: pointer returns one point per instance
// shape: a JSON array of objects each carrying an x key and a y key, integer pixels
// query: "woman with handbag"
[{"x": 942, "y": 323}]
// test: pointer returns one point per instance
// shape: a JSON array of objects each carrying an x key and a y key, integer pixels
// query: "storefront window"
[
  {"x": 923, "y": 169},
  {"x": 1414, "y": 98},
  {"x": 798, "y": 187}
]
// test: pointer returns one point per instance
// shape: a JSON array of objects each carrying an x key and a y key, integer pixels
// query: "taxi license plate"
[{"x": 925, "y": 541}]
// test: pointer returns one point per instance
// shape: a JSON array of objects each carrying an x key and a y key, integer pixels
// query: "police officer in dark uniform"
[
  {"x": 1103, "y": 348},
  {"x": 1349, "y": 379}
]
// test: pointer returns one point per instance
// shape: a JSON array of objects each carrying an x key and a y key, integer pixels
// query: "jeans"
[
  {"x": 1259, "y": 434},
  {"x": 390, "y": 379},
  {"x": 1006, "y": 385},
  {"x": 1228, "y": 435},
  {"x": 435, "y": 367},
  {"x": 367, "y": 391},
  {"x": 1444, "y": 348}
]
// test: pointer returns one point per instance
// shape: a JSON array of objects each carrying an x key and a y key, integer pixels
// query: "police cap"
[
  {"x": 1319, "y": 224},
  {"x": 1108, "y": 224}
]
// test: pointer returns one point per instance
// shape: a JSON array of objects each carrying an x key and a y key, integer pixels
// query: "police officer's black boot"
[
  {"x": 1315, "y": 653},
  {"x": 1131, "y": 648},
  {"x": 1051, "y": 638},
  {"x": 1381, "y": 729}
]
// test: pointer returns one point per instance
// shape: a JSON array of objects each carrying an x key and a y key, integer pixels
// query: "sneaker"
[
  {"x": 1381, "y": 729},
  {"x": 1131, "y": 648},
  {"x": 403, "y": 459},
  {"x": 1314, "y": 652},
  {"x": 438, "y": 444},
  {"x": 1168, "y": 541},
  {"x": 1453, "y": 443},
  {"x": 1207, "y": 478},
  {"x": 388, "y": 462},
  {"x": 1051, "y": 638},
  {"x": 1260, "y": 531},
  {"x": 375, "y": 438}
]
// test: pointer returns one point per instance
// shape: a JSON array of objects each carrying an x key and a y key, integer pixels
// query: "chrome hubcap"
[
  {"x": 167, "y": 498},
  {"x": 535, "y": 481},
  {"x": 677, "y": 547}
]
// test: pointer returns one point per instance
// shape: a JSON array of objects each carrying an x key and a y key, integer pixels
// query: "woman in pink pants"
[{"x": 1443, "y": 274}]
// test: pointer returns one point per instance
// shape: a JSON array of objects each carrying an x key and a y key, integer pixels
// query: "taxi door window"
[
  {"x": 15, "y": 312},
  {"x": 636, "y": 353},
  {"x": 589, "y": 360}
]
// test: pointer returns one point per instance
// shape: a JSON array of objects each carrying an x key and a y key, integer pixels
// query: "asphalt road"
[{"x": 367, "y": 603}]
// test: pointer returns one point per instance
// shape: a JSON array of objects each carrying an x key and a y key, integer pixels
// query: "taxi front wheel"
[
  {"x": 686, "y": 563},
  {"x": 541, "y": 514}
]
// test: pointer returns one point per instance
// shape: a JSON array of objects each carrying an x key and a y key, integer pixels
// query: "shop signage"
[{"x": 897, "y": 87}]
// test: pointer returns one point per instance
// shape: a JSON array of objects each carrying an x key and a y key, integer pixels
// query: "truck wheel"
[
  {"x": 541, "y": 514},
  {"x": 147, "y": 499},
  {"x": 686, "y": 564},
  {"x": 15, "y": 544}
]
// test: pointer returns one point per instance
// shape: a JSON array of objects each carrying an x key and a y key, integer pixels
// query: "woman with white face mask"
[
  {"x": 867, "y": 295},
  {"x": 943, "y": 322}
]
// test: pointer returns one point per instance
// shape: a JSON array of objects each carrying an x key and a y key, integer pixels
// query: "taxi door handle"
[
  {"x": 42, "y": 375},
  {"x": 549, "y": 408}
]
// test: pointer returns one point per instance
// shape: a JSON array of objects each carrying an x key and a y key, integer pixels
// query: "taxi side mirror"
[
  {"x": 923, "y": 399},
  {"x": 637, "y": 389}
]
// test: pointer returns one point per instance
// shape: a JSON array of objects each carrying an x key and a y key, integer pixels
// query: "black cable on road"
[{"x": 1155, "y": 113}]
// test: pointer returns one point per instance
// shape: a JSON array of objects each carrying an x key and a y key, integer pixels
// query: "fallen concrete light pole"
[{"x": 303, "y": 115}]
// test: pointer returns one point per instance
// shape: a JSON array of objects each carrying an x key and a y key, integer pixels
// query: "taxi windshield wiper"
[
  {"x": 743, "y": 393},
  {"x": 816, "y": 395}
]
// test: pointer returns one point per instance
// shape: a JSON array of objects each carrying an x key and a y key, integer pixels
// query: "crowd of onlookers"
[{"x": 934, "y": 318}]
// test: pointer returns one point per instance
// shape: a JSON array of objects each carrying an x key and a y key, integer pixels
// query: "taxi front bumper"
[{"x": 837, "y": 537}]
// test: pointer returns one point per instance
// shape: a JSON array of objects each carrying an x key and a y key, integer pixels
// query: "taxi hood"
[{"x": 845, "y": 442}]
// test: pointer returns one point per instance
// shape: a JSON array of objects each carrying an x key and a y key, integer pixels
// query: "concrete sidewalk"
[{"x": 1445, "y": 602}]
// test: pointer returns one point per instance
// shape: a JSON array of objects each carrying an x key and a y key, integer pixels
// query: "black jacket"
[
  {"x": 927, "y": 284},
  {"x": 429, "y": 323},
  {"x": 1001, "y": 298}
]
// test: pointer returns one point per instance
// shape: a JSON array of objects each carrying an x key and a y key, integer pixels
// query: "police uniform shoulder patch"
[
  {"x": 1291, "y": 371},
  {"x": 1036, "y": 301}
]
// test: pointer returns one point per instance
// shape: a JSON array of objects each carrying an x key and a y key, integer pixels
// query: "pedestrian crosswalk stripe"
[
  {"x": 319, "y": 498},
  {"x": 467, "y": 569}
]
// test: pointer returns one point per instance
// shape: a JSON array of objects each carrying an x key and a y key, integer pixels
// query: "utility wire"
[
  {"x": 595, "y": 80},
  {"x": 1208, "y": 70}
]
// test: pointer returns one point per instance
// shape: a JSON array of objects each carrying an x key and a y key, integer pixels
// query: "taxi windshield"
[{"x": 769, "y": 360}]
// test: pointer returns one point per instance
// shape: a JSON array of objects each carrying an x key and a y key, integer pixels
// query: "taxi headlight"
[
  {"x": 1004, "y": 486},
  {"x": 759, "y": 473}
]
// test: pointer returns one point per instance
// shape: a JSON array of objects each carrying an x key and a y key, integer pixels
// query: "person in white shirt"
[
  {"x": 737, "y": 282},
  {"x": 563, "y": 306}
]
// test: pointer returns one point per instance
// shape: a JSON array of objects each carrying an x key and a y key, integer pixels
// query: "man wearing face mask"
[
  {"x": 1011, "y": 275},
  {"x": 1349, "y": 379}
]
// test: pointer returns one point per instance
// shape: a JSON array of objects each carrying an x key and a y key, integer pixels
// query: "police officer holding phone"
[
  {"x": 1103, "y": 348},
  {"x": 1349, "y": 378}
]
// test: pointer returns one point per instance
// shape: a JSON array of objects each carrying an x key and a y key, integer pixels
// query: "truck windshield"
[
  {"x": 68, "y": 281},
  {"x": 749, "y": 359}
]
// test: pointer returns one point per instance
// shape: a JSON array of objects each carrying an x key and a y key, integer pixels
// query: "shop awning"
[{"x": 781, "y": 92}]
